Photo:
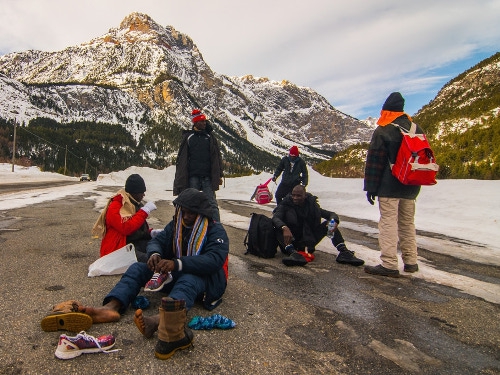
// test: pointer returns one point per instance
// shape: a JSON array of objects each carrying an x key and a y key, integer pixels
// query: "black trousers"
[{"x": 319, "y": 234}]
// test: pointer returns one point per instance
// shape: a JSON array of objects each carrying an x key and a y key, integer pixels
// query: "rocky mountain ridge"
[{"x": 142, "y": 73}]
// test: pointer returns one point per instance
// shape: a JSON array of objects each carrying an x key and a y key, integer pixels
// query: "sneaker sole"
[
  {"x": 74, "y": 322},
  {"x": 62, "y": 354},
  {"x": 156, "y": 289}
]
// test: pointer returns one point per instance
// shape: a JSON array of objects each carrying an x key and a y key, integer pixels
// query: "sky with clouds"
[{"x": 352, "y": 52}]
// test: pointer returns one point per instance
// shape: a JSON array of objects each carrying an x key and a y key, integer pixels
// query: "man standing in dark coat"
[
  {"x": 294, "y": 173},
  {"x": 297, "y": 220},
  {"x": 396, "y": 201},
  {"x": 199, "y": 161}
]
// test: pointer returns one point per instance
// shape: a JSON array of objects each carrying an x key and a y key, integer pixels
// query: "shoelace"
[
  {"x": 88, "y": 337},
  {"x": 154, "y": 279}
]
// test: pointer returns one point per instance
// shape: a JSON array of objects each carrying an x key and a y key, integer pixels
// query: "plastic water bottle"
[{"x": 331, "y": 228}]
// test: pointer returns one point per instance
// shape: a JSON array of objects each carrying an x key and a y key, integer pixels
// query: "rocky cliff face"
[{"x": 142, "y": 73}]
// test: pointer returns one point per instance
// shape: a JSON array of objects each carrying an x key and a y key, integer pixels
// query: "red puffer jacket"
[{"x": 117, "y": 229}]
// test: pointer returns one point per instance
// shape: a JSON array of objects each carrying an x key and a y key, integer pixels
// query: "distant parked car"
[{"x": 84, "y": 177}]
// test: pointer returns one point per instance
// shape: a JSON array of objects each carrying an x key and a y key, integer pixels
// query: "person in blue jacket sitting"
[{"x": 193, "y": 249}]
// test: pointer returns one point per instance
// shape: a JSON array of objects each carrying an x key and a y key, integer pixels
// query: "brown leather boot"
[{"x": 172, "y": 332}]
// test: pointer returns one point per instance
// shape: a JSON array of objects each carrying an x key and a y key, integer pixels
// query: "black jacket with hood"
[
  {"x": 304, "y": 221},
  {"x": 182, "y": 172}
]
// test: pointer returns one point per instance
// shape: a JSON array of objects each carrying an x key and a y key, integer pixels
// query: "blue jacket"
[{"x": 210, "y": 264}]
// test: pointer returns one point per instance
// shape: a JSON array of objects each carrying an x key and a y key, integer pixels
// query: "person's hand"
[
  {"x": 154, "y": 232},
  {"x": 148, "y": 207},
  {"x": 287, "y": 235},
  {"x": 371, "y": 197},
  {"x": 274, "y": 178},
  {"x": 153, "y": 261},
  {"x": 165, "y": 265}
]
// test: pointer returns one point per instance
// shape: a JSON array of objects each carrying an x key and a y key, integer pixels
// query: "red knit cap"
[
  {"x": 196, "y": 116},
  {"x": 294, "y": 151}
]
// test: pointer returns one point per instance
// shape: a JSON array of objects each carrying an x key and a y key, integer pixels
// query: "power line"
[{"x": 55, "y": 145}]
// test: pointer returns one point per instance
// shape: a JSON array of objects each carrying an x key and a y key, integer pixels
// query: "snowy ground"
[{"x": 467, "y": 210}]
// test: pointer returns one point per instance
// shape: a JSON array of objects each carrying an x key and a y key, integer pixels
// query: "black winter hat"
[
  {"x": 135, "y": 184},
  {"x": 394, "y": 103},
  {"x": 194, "y": 200}
]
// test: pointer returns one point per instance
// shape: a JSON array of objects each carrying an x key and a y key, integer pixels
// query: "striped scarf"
[{"x": 197, "y": 238}]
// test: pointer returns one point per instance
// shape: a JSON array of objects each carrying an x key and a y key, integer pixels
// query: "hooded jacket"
[
  {"x": 182, "y": 172},
  {"x": 304, "y": 221},
  {"x": 292, "y": 176},
  {"x": 211, "y": 262},
  {"x": 120, "y": 230}
]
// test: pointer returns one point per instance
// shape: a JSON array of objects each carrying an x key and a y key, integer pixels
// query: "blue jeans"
[
  {"x": 183, "y": 286},
  {"x": 204, "y": 184}
]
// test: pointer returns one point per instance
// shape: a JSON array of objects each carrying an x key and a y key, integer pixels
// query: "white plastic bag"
[{"x": 114, "y": 263}]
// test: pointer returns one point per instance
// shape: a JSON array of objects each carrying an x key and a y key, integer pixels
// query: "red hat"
[
  {"x": 294, "y": 151},
  {"x": 196, "y": 116}
]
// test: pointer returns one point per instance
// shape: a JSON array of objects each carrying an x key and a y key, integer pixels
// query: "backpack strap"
[{"x": 412, "y": 132}]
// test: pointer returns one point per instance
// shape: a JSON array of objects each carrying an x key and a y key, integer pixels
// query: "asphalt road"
[
  {"x": 19, "y": 186},
  {"x": 324, "y": 318}
]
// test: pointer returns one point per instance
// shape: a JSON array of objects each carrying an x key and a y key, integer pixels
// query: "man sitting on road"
[
  {"x": 194, "y": 249},
  {"x": 297, "y": 220}
]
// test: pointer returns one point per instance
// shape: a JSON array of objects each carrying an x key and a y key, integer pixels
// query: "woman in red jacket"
[{"x": 123, "y": 220}]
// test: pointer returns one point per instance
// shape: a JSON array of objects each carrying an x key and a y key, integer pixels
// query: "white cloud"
[{"x": 353, "y": 52}]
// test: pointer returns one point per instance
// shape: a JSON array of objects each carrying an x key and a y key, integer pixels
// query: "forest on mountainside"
[
  {"x": 94, "y": 148},
  {"x": 474, "y": 154},
  {"x": 462, "y": 124}
]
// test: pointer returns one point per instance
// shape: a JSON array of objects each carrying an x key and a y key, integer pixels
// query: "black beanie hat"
[
  {"x": 394, "y": 103},
  {"x": 135, "y": 184}
]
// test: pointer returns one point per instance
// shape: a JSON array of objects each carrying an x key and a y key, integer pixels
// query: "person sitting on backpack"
[
  {"x": 396, "y": 201},
  {"x": 297, "y": 220}
]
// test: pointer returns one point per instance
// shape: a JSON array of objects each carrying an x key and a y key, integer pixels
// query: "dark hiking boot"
[
  {"x": 294, "y": 259},
  {"x": 411, "y": 268},
  {"x": 381, "y": 271},
  {"x": 347, "y": 257}
]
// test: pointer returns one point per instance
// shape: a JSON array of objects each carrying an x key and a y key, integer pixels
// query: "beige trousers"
[{"x": 397, "y": 224}]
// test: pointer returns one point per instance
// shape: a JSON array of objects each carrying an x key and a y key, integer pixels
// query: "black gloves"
[{"x": 371, "y": 197}]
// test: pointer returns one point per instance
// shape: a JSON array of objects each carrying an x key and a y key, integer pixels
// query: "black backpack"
[{"x": 260, "y": 239}]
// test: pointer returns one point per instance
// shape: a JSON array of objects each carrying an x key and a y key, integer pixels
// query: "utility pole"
[
  {"x": 65, "y": 156},
  {"x": 14, "y": 147},
  {"x": 85, "y": 165}
]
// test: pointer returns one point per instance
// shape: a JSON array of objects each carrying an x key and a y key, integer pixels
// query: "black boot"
[
  {"x": 294, "y": 259},
  {"x": 347, "y": 257}
]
